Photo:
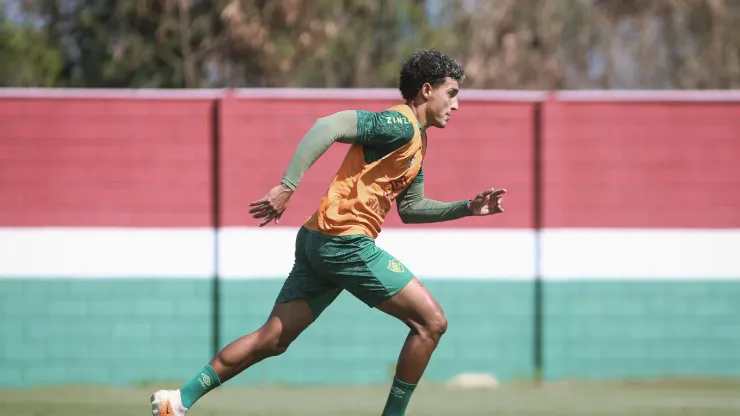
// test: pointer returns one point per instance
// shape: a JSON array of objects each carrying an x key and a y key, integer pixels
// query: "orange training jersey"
[{"x": 385, "y": 159}]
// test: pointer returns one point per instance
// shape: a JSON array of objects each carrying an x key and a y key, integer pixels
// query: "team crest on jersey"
[{"x": 395, "y": 266}]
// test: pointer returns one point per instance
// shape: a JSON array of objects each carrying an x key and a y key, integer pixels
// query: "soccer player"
[{"x": 335, "y": 249}]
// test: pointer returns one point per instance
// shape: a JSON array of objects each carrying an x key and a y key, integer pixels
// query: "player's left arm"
[{"x": 414, "y": 208}]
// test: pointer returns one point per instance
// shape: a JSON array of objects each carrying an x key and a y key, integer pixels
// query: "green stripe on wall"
[
  {"x": 124, "y": 331},
  {"x": 106, "y": 331},
  {"x": 642, "y": 329}
]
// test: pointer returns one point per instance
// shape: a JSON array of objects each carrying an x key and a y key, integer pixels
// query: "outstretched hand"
[
  {"x": 487, "y": 202},
  {"x": 272, "y": 205}
]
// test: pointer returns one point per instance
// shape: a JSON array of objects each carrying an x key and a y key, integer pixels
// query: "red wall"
[
  {"x": 104, "y": 162},
  {"x": 641, "y": 164},
  {"x": 148, "y": 162}
]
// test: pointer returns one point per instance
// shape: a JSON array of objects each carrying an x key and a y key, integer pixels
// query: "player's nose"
[{"x": 455, "y": 104}]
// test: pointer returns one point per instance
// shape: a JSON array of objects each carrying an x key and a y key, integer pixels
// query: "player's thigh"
[
  {"x": 373, "y": 275},
  {"x": 396, "y": 291},
  {"x": 305, "y": 289},
  {"x": 416, "y": 307}
]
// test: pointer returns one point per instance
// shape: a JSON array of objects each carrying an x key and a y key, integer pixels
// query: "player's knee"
[
  {"x": 279, "y": 349},
  {"x": 435, "y": 326},
  {"x": 275, "y": 347},
  {"x": 272, "y": 341},
  {"x": 438, "y": 325}
]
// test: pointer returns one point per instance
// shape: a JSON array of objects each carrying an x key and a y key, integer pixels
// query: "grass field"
[{"x": 563, "y": 399}]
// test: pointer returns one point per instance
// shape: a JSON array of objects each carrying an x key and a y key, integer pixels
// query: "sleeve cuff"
[{"x": 289, "y": 183}]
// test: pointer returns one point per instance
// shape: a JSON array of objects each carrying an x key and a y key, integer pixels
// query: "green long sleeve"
[
  {"x": 338, "y": 127},
  {"x": 413, "y": 208}
]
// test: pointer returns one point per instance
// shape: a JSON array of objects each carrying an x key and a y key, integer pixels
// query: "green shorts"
[{"x": 326, "y": 265}]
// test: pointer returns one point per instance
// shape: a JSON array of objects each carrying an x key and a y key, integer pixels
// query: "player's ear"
[{"x": 426, "y": 90}]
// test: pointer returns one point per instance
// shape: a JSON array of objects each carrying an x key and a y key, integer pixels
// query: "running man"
[{"x": 335, "y": 249}]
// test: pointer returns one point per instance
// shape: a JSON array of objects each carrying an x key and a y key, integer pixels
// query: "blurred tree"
[
  {"x": 669, "y": 43},
  {"x": 520, "y": 44},
  {"x": 137, "y": 43},
  {"x": 26, "y": 60}
]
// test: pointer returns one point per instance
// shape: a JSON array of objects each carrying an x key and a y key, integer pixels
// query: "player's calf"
[
  {"x": 418, "y": 309},
  {"x": 268, "y": 341},
  {"x": 425, "y": 333},
  {"x": 285, "y": 323}
]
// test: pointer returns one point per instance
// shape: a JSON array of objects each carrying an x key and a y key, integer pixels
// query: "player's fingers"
[
  {"x": 265, "y": 205},
  {"x": 258, "y": 202},
  {"x": 267, "y": 220},
  {"x": 263, "y": 214},
  {"x": 499, "y": 192},
  {"x": 258, "y": 209},
  {"x": 485, "y": 194}
]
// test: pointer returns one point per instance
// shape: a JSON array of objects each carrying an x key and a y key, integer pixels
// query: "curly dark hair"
[{"x": 427, "y": 65}]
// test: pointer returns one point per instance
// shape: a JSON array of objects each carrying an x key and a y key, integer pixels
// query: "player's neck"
[{"x": 420, "y": 115}]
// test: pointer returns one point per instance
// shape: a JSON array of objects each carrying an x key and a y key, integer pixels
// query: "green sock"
[
  {"x": 203, "y": 382},
  {"x": 398, "y": 398}
]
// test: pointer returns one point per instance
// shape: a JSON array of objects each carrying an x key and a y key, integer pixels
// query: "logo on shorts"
[{"x": 395, "y": 266}]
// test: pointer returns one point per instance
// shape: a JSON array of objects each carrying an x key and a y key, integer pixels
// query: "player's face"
[{"x": 441, "y": 102}]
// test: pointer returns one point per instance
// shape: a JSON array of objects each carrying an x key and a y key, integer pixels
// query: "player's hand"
[
  {"x": 272, "y": 205},
  {"x": 487, "y": 202}
]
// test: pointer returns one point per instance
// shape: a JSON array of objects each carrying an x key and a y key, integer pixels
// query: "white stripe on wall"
[
  {"x": 106, "y": 252},
  {"x": 429, "y": 253},
  {"x": 640, "y": 253}
]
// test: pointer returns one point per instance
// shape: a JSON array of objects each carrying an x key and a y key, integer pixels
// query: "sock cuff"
[
  {"x": 214, "y": 376},
  {"x": 400, "y": 383}
]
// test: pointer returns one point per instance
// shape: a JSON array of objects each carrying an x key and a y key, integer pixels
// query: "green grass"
[{"x": 559, "y": 399}]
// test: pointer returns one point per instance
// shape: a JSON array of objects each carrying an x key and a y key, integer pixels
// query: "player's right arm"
[
  {"x": 338, "y": 127},
  {"x": 348, "y": 126}
]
